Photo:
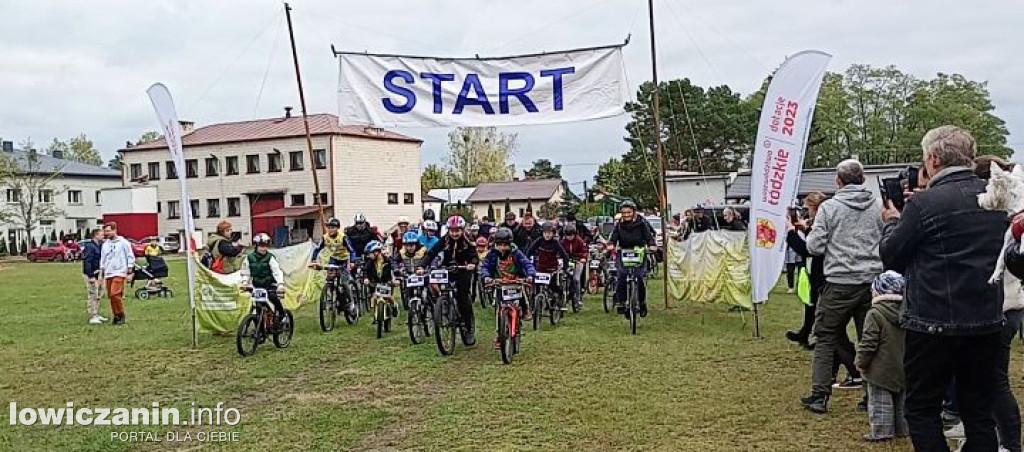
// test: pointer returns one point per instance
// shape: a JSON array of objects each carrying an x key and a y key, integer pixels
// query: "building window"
[
  {"x": 212, "y": 167},
  {"x": 173, "y": 210},
  {"x": 13, "y": 195},
  {"x": 98, "y": 197},
  {"x": 252, "y": 164},
  {"x": 323, "y": 198},
  {"x": 75, "y": 197},
  {"x": 410, "y": 198},
  {"x": 172, "y": 172},
  {"x": 321, "y": 158},
  {"x": 295, "y": 160},
  {"x": 275, "y": 162},
  {"x": 392, "y": 198},
  {"x": 159, "y": 207},
  {"x": 154, "y": 170},
  {"x": 136, "y": 171},
  {"x": 232, "y": 163},
  {"x": 192, "y": 168},
  {"x": 234, "y": 207},
  {"x": 212, "y": 208},
  {"x": 46, "y": 196},
  {"x": 298, "y": 200},
  {"x": 193, "y": 205}
]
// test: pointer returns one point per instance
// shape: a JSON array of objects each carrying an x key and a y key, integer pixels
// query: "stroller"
[{"x": 155, "y": 269}]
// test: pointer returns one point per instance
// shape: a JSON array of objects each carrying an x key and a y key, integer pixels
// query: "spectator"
[
  {"x": 510, "y": 222},
  {"x": 947, "y": 246},
  {"x": 486, "y": 225},
  {"x": 701, "y": 222},
  {"x": 526, "y": 233},
  {"x": 733, "y": 220},
  {"x": 117, "y": 261},
  {"x": 397, "y": 233},
  {"x": 846, "y": 232},
  {"x": 91, "y": 274},
  {"x": 676, "y": 228},
  {"x": 226, "y": 253},
  {"x": 880, "y": 359},
  {"x": 153, "y": 248}
]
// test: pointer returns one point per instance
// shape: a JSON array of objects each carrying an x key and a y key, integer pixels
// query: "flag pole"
[
  {"x": 662, "y": 189},
  {"x": 305, "y": 118}
]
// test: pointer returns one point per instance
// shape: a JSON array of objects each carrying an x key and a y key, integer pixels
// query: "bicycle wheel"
[
  {"x": 387, "y": 316},
  {"x": 378, "y": 317},
  {"x": 417, "y": 322},
  {"x": 632, "y": 308},
  {"x": 505, "y": 336},
  {"x": 247, "y": 337},
  {"x": 444, "y": 327},
  {"x": 351, "y": 317},
  {"x": 609, "y": 299},
  {"x": 283, "y": 335},
  {"x": 540, "y": 303},
  {"x": 327, "y": 311},
  {"x": 555, "y": 310}
]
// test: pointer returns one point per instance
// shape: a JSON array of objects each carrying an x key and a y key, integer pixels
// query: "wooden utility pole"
[{"x": 662, "y": 187}]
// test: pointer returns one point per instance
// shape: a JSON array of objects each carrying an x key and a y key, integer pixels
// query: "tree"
[
  {"x": 82, "y": 150},
  {"x": 34, "y": 183},
  {"x": 543, "y": 169},
  {"x": 435, "y": 176},
  {"x": 490, "y": 211},
  {"x": 3, "y": 246},
  {"x": 549, "y": 210},
  {"x": 116, "y": 163},
  {"x": 480, "y": 154},
  {"x": 151, "y": 135}
]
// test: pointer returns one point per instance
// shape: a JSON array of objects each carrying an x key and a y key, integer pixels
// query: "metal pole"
[
  {"x": 662, "y": 195},
  {"x": 757, "y": 323},
  {"x": 305, "y": 119}
]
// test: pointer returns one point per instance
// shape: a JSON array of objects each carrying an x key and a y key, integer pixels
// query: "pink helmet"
[{"x": 456, "y": 222}]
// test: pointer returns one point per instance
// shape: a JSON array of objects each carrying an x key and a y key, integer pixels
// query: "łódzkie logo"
[{"x": 766, "y": 233}]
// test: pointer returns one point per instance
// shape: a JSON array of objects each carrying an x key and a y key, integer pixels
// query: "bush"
[{"x": 3, "y": 247}]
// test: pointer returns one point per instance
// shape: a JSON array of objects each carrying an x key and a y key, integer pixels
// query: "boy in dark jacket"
[
  {"x": 880, "y": 358},
  {"x": 90, "y": 272},
  {"x": 505, "y": 262},
  {"x": 546, "y": 251},
  {"x": 378, "y": 269},
  {"x": 578, "y": 250}
]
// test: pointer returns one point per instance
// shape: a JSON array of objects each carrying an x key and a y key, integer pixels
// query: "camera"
[{"x": 892, "y": 188}]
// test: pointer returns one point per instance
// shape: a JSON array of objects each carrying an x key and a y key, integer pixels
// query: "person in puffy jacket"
[
  {"x": 880, "y": 358},
  {"x": 455, "y": 249},
  {"x": 505, "y": 262},
  {"x": 546, "y": 251}
]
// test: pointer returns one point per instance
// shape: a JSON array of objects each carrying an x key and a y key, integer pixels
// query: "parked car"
[
  {"x": 138, "y": 248},
  {"x": 168, "y": 244},
  {"x": 49, "y": 252}
]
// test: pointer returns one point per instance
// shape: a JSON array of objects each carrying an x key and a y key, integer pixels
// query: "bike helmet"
[
  {"x": 430, "y": 225},
  {"x": 456, "y": 222},
  {"x": 569, "y": 230},
  {"x": 403, "y": 220},
  {"x": 511, "y": 216},
  {"x": 474, "y": 227},
  {"x": 410, "y": 237},
  {"x": 481, "y": 241},
  {"x": 628, "y": 204},
  {"x": 261, "y": 239},
  {"x": 360, "y": 218},
  {"x": 548, "y": 226},
  {"x": 429, "y": 215},
  {"x": 504, "y": 235},
  {"x": 374, "y": 245},
  {"x": 334, "y": 222}
]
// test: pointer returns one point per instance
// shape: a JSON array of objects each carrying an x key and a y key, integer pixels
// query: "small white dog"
[{"x": 1005, "y": 191}]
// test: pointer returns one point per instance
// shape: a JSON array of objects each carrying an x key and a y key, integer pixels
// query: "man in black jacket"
[
  {"x": 526, "y": 232},
  {"x": 631, "y": 232},
  {"x": 947, "y": 245}
]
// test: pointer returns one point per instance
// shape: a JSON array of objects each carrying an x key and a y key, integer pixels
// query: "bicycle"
[
  {"x": 610, "y": 276},
  {"x": 573, "y": 287},
  {"x": 335, "y": 298},
  {"x": 260, "y": 321},
  {"x": 651, "y": 263},
  {"x": 420, "y": 311},
  {"x": 361, "y": 291},
  {"x": 510, "y": 294},
  {"x": 545, "y": 300},
  {"x": 632, "y": 259},
  {"x": 384, "y": 306},
  {"x": 595, "y": 280},
  {"x": 486, "y": 296},
  {"x": 447, "y": 321}
]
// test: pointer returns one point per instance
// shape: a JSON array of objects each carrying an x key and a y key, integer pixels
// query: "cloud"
[{"x": 74, "y": 67}]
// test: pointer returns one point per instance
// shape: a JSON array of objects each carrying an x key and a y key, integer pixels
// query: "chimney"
[
  {"x": 8, "y": 146},
  {"x": 370, "y": 130},
  {"x": 187, "y": 127},
  {"x": 57, "y": 154},
  {"x": 287, "y": 112}
]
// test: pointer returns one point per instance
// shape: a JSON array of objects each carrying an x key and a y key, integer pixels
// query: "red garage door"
[{"x": 265, "y": 203}]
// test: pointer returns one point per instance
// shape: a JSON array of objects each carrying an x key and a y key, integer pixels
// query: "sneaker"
[
  {"x": 949, "y": 419},
  {"x": 118, "y": 320},
  {"x": 497, "y": 344},
  {"x": 956, "y": 431},
  {"x": 816, "y": 403},
  {"x": 863, "y": 404},
  {"x": 468, "y": 338},
  {"x": 790, "y": 291},
  {"x": 564, "y": 308},
  {"x": 796, "y": 336},
  {"x": 643, "y": 309},
  {"x": 528, "y": 315},
  {"x": 876, "y": 439},
  {"x": 103, "y": 319},
  {"x": 849, "y": 383},
  {"x": 95, "y": 320}
]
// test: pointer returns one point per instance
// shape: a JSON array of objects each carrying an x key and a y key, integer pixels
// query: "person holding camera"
[
  {"x": 224, "y": 249},
  {"x": 846, "y": 232},
  {"x": 947, "y": 246}
]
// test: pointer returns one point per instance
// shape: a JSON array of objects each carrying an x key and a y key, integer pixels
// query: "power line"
[{"x": 266, "y": 72}]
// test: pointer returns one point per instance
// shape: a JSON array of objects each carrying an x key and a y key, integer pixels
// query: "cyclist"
[
  {"x": 630, "y": 232},
  {"x": 581, "y": 227},
  {"x": 456, "y": 250},
  {"x": 359, "y": 235},
  {"x": 472, "y": 232},
  {"x": 395, "y": 235},
  {"x": 482, "y": 248},
  {"x": 578, "y": 250},
  {"x": 428, "y": 235},
  {"x": 377, "y": 268},
  {"x": 261, "y": 270},
  {"x": 546, "y": 251},
  {"x": 507, "y": 263},
  {"x": 335, "y": 242},
  {"x": 407, "y": 258}
]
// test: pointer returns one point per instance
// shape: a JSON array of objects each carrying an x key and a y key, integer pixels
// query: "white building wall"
[
  {"x": 367, "y": 170},
  {"x": 82, "y": 215},
  {"x": 519, "y": 207},
  {"x": 686, "y": 193}
]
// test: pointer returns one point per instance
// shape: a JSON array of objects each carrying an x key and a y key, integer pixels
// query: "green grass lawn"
[{"x": 694, "y": 378}]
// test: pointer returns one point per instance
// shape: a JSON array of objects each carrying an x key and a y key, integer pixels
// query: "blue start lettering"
[{"x": 517, "y": 85}]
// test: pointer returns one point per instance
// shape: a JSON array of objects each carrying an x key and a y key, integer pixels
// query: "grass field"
[{"x": 694, "y": 378}]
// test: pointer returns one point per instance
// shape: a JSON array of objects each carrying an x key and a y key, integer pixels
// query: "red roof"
[{"x": 268, "y": 129}]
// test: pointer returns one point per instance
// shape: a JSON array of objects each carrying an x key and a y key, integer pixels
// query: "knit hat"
[{"x": 889, "y": 283}]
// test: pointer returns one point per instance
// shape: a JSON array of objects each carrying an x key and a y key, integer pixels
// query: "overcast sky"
[{"x": 84, "y": 66}]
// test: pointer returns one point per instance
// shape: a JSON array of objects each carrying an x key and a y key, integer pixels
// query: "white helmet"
[
  {"x": 430, "y": 225},
  {"x": 403, "y": 219},
  {"x": 360, "y": 218},
  {"x": 261, "y": 239}
]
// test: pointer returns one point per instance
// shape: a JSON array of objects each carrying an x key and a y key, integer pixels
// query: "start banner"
[
  {"x": 407, "y": 91},
  {"x": 778, "y": 160}
]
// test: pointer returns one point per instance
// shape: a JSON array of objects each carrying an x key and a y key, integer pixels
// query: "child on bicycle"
[
  {"x": 579, "y": 252},
  {"x": 377, "y": 268},
  {"x": 261, "y": 270},
  {"x": 337, "y": 245},
  {"x": 547, "y": 250},
  {"x": 506, "y": 263},
  {"x": 405, "y": 260}
]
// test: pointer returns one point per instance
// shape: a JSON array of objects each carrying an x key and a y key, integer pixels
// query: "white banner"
[
  {"x": 163, "y": 103},
  {"x": 778, "y": 159},
  {"x": 402, "y": 91}
]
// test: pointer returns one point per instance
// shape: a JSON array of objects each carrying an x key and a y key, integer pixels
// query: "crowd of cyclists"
[{"x": 362, "y": 260}]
